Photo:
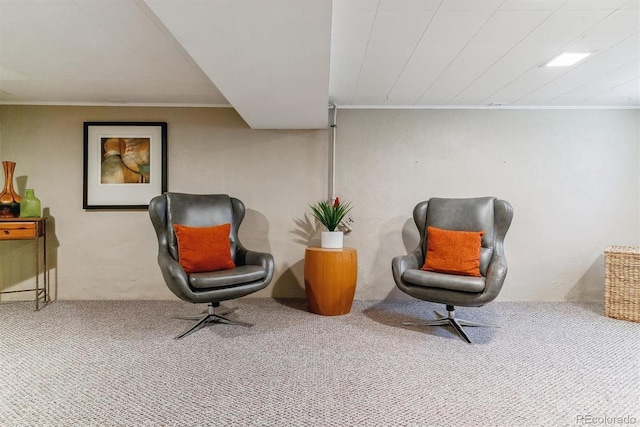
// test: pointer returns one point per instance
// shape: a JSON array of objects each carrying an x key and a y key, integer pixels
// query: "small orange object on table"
[{"x": 330, "y": 277}]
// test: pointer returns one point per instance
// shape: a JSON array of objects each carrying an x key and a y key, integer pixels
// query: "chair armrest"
[
  {"x": 496, "y": 274},
  {"x": 402, "y": 263},
  {"x": 263, "y": 259},
  {"x": 174, "y": 276}
]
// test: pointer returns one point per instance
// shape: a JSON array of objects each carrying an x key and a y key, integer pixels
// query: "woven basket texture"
[{"x": 622, "y": 282}]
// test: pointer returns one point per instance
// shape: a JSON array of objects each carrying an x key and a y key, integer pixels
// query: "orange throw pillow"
[
  {"x": 454, "y": 252},
  {"x": 204, "y": 248}
]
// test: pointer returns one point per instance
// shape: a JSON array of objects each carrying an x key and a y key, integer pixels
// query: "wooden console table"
[
  {"x": 330, "y": 277},
  {"x": 29, "y": 229}
]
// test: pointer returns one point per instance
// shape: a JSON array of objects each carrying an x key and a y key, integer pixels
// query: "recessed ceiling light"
[{"x": 567, "y": 59}]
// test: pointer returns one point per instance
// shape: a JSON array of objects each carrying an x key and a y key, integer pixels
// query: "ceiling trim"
[
  {"x": 338, "y": 106},
  {"x": 486, "y": 107},
  {"x": 116, "y": 104}
]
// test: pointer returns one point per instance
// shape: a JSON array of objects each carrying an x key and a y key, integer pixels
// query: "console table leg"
[{"x": 37, "y": 267}]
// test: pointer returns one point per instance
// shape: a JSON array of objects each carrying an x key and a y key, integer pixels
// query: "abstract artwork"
[{"x": 125, "y": 164}]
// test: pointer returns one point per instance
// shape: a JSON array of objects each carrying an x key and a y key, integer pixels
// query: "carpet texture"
[{"x": 115, "y": 363}]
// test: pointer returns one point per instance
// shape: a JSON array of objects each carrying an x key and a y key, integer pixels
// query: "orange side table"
[{"x": 330, "y": 277}]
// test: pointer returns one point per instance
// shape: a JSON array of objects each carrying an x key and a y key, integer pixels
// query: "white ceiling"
[{"x": 280, "y": 63}]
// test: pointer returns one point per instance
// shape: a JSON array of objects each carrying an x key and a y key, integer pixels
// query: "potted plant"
[{"x": 331, "y": 215}]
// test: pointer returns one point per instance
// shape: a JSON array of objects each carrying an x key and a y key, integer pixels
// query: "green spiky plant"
[{"x": 330, "y": 215}]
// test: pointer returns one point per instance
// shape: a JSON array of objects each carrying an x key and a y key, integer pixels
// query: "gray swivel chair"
[
  {"x": 486, "y": 214},
  {"x": 253, "y": 271}
]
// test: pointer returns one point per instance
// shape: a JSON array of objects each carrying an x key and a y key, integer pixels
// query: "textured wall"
[
  {"x": 571, "y": 175},
  {"x": 112, "y": 254}
]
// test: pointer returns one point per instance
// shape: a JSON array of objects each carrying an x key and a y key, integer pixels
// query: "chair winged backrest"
[
  {"x": 253, "y": 270},
  {"x": 193, "y": 210},
  {"x": 488, "y": 214}
]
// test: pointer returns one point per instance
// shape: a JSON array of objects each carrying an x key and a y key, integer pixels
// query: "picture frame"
[{"x": 125, "y": 164}]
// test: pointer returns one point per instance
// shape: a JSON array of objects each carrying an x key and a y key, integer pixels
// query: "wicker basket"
[{"x": 622, "y": 282}]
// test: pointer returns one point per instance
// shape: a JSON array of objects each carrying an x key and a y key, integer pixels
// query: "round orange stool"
[{"x": 330, "y": 277}]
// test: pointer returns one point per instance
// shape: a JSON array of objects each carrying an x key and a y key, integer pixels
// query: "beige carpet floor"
[{"x": 115, "y": 363}]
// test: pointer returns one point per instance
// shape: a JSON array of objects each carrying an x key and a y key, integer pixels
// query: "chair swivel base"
[
  {"x": 212, "y": 317},
  {"x": 451, "y": 320}
]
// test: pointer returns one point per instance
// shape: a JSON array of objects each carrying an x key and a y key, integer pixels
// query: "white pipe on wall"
[
  {"x": 332, "y": 154},
  {"x": 344, "y": 225}
]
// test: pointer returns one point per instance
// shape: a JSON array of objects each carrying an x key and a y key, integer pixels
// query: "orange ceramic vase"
[{"x": 9, "y": 199}]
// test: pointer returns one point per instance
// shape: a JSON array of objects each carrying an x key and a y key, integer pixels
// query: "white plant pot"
[{"x": 332, "y": 239}]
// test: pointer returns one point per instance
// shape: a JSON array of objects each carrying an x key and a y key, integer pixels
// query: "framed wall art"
[{"x": 125, "y": 164}]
